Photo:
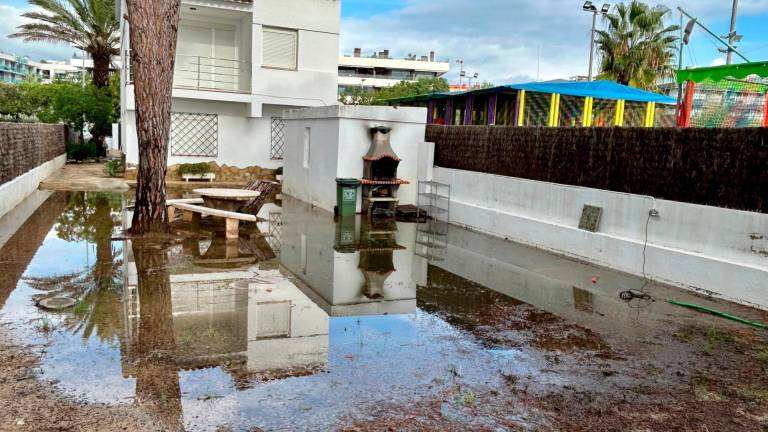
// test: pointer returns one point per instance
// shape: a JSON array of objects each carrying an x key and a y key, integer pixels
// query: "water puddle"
[{"x": 309, "y": 324}]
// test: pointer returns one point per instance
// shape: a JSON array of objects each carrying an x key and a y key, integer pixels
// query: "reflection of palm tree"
[
  {"x": 157, "y": 378},
  {"x": 88, "y": 217}
]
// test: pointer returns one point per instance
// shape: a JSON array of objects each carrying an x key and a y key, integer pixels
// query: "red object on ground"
[{"x": 594, "y": 279}]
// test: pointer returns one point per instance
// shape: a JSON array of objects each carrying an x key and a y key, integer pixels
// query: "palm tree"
[
  {"x": 90, "y": 25},
  {"x": 637, "y": 49}
]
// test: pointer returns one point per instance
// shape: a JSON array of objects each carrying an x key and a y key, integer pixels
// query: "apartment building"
[
  {"x": 16, "y": 69},
  {"x": 380, "y": 70},
  {"x": 239, "y": 65}
]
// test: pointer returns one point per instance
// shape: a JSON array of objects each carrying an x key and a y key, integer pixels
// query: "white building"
[
  {"x": 16, "y": 69},
  {"x": 381, "y": 71},
  {"x": 239, "y": 64}
]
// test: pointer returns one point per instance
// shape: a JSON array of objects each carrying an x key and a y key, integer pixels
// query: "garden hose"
[{"x": 718, "y": 313}]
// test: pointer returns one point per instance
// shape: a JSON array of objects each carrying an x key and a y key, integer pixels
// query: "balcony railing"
[{"x": 208, "y": 73}]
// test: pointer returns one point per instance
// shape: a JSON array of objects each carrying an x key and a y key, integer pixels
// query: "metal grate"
[
  {"x": 275, "y": 237},
  {"x": 194, "y": 134},
  {"x": 278, "y": 139}
]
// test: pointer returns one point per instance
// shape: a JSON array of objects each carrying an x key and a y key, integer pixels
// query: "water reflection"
[{"x": 302, "y": 322}]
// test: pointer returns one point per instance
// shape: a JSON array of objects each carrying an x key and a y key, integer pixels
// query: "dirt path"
[{"x": 83, "y": 177}]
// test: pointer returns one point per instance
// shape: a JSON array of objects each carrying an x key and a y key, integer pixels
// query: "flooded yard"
[{"x": 306, "y": 323}]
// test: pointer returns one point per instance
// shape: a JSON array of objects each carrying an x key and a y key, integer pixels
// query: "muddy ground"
[
  {"x": 30, "y": 403},
  {"x": 684, "y": 379}
]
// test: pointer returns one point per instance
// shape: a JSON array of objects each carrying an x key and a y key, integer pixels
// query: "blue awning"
[{"x": 595, "y": 89}]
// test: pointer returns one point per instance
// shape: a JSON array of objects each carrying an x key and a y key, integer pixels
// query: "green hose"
[{"x": 718, "y": 313}]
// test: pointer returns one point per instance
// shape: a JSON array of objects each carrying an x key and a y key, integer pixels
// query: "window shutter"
[{"x": 279, "y": 48}]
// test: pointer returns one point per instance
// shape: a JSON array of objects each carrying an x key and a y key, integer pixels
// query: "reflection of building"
[
  {"x": 350, "y": 268},
  {"x": 256, "y": 323}
]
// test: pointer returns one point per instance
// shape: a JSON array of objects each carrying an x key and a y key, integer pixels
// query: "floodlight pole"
[
  {"x": 592, "y": 45},
  {"x": 730, "y": 47},
  {"x": 732, "y": 33}
]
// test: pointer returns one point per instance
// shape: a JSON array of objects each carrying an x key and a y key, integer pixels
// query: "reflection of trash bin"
[
  {"x": 346, "y": 234},
  {"x": 346, "y": 196}
]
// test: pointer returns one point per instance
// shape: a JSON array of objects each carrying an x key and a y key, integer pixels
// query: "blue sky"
[{"x": 502, "y": 40}]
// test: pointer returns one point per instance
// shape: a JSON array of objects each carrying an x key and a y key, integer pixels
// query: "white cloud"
[
  {"x": 10, "y": 19},
  {"x": 719, "y": 61}
]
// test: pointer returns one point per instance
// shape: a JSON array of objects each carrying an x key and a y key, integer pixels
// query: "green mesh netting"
[{"x": 729, "y": 103}]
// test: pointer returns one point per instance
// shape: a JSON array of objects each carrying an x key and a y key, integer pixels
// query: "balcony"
[
  {"x": 212, "y": 74},
  {"x": 208, "y": 74}
]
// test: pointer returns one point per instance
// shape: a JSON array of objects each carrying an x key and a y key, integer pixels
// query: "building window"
[
  {"x": 307, "y": 139},
  {"x": 277, "y": 148},
  {"x": 280, "y": 48},
  {"x": 194, "y": 134}
]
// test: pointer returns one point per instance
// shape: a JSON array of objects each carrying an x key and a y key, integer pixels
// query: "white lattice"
[
  {"x": 194, "y": 134},
  {"x": 278, "y": 139}
]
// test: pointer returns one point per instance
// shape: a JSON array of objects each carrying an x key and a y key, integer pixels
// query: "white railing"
[{"x": 208, "y": 73}]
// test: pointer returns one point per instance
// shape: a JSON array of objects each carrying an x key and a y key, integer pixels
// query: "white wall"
[
  {"x": 339, "y": 137},
  {"x": 17, "y": 190},
  {"x": 243, "y": 141},
  {"x": 717, "y": 250}
]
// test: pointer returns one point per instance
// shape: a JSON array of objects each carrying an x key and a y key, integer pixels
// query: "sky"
[{"x": 504, "y": 41}]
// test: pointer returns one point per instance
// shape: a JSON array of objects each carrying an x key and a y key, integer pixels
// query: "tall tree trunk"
[{"x": 153, "y": 28}]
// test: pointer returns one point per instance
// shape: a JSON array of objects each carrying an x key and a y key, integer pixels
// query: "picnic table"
[{"x": 226, "y": 199}]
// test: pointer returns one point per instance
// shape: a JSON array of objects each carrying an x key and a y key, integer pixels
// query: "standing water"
[{"x": 306, "y": 323}]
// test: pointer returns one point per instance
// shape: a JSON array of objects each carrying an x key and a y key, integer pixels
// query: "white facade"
[
  {"x": 238, "y": 66},
  {"x": 377, "y": 72}
]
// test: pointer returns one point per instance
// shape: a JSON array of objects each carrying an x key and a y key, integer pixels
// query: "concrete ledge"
[
  {"x": 18, "y": 189},
  {"x": 699, "y": 248},
  {"x": 360, "y": 112}
]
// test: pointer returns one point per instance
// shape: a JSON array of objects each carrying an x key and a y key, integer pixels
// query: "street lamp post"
[
  {"x": 472, "y": 77},
  {"x": 591, "y": 8}
]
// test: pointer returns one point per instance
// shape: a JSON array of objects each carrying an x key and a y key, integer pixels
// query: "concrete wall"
[
  {"x": 29, "y": 153},
  {"x": 339, "y": 136},
  {"x": 717, "y": 250}
]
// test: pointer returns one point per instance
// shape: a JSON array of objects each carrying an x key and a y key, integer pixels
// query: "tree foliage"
[
  {"x": 637, "y": 48},
  {"x": 359, "y": 96},
  {"x": 62, "y": 102},
  {"x": 90, "y": 25}
]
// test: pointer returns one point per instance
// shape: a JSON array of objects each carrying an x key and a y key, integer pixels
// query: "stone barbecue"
[{"x": 380, "y": 182}]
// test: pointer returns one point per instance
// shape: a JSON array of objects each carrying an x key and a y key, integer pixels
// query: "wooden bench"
[{"x": 192, "y": 212}]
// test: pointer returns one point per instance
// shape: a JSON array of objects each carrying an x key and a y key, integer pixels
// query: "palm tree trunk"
[
  {"x": 153, "y": 28},
  {"x": 101, "y": 66}
]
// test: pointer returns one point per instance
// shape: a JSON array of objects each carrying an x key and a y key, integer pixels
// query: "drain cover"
[{"x": 57, "y": 303}]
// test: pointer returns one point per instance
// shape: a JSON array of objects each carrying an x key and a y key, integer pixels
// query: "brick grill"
[{"x": 24, "y": 146}]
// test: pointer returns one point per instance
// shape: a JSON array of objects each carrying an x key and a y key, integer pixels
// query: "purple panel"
[
  {"x": 468, "y": 111},
  {"x": 517, "y": 109},
  {"x": 492, "y": 109},
  {"x": 431, "y": 112},
  {"x": 449, "y": 111}
]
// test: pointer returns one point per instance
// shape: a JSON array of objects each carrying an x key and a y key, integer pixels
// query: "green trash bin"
[{"x": 346, "y": 196}]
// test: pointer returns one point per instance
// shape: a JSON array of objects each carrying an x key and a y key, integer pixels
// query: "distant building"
[
  {"x": 382, "y": 71},
  {"x": 16, "y": 69}
]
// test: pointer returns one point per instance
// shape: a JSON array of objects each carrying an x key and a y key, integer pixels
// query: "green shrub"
[
  {"x": 81, "y": 151},
  {"x": 194, "y": 168},
  {"x": 114, "y": 168}
]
